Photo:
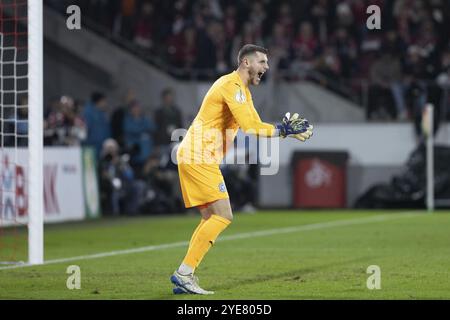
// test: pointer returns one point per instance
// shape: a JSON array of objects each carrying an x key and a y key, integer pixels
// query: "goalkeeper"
[{"x": 226, "y": 107}]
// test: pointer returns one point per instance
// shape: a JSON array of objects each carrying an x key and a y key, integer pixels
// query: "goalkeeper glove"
[{"x": 295, "y": 127}]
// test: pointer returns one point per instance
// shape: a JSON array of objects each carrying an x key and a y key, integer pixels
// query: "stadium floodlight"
[{"x": 21, "y": 123}]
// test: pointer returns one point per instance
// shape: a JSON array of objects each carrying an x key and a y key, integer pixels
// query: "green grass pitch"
[{"x": 268, "y": 255}]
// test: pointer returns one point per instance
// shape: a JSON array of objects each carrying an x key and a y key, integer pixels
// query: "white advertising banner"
[{"x": 63, "y": 186}]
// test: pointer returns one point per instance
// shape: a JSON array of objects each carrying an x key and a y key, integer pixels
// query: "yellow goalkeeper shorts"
[{"x": 201, "y": 184}]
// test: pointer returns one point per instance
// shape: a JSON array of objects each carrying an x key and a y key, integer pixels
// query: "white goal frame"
[{"x": 35, "y": 133}]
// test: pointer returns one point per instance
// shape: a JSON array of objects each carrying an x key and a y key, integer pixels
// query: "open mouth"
[{"x": 260, "y": 74}]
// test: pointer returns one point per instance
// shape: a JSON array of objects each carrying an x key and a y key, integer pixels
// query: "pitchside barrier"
[{"x": 70, "y": 185}]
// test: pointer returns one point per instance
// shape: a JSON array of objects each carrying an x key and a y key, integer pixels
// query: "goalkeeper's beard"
[{"x": 253, "y": 75}]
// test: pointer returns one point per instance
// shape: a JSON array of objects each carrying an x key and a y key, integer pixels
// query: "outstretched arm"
[
  {"x": 248, "y": 119},
  {"x": 244, "y": 113}
]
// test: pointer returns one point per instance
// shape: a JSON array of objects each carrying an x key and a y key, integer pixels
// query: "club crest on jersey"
[
  {"x": 240, "y": 96},
  {"x": 222, "y": 187}
]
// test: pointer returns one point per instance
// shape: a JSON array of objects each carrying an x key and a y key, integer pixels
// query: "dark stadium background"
[
  {"x": 349, "y": 199},
  {"x": 386, "y": 76}
]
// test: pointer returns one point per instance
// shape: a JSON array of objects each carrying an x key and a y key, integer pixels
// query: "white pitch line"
[{"x": 244, "y": 235}]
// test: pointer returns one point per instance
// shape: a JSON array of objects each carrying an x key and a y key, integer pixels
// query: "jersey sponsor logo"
[
  {"x": 222, "y": 187},
  {"x": 240, "y": 96}
]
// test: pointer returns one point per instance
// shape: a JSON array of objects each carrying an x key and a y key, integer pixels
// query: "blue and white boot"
[{"x": 187, "y": 283}]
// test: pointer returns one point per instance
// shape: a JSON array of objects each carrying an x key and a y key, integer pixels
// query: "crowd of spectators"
[
  {"x": 131, "y": 148},
  {"x": 398, "y": 68},
  {"x": 394, "y": 69}
]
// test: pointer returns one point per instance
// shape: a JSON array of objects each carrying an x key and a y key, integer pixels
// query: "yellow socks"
[
  {"x": 196, "y": 231},
  {"x": 203, "y": 238}
]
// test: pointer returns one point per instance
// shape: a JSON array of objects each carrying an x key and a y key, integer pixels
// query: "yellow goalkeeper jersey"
[{"x": 226, "y": 107}]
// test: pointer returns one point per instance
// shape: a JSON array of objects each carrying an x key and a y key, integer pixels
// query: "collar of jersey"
[{"x": 238, "y": 77}]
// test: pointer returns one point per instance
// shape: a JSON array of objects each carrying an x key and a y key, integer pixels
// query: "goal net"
[{"x": 21, "y": 140}]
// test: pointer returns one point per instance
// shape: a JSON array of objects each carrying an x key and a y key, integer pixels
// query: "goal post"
[
  {"x": 35, "y": 133},
  {"x": 21, "y": 132}
]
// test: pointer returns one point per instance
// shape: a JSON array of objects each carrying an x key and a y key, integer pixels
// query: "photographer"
[{"x": 120, "y": 191}]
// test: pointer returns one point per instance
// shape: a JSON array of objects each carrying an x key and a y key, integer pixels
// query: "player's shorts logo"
[
  {"x": 240, "y": 96},
  {"x": 222, "y": 187}
]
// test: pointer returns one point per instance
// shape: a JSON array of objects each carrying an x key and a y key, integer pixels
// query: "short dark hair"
[
  {"x": 249, "y": 49},
  {"x": 97, "y": 96}
]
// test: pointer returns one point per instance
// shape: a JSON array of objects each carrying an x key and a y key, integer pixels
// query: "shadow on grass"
[{"x": 293, "y": 275}]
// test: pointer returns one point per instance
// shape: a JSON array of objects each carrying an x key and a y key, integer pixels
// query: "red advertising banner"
[{"x": 320, "y": 179}]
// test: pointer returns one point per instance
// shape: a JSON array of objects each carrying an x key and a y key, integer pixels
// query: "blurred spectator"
[
  {"x": 137, "y": 133},
  {"x": 329, "y": 64},
  {"x": 426, "y": 39},
  {"x": 305, "y": 44},
  {"x": 144, "y": 34},
  {"x": 168, "y": 117},
  {"x": 22, "y": 123},
  {"x": 279, "y": 48},
  {"x": 207, "y": 52},
  {"x": 118, "y": 116},
  {"x": 416, "y": 91},
  {"x": 387, "y": 90},
  {"x": 178, "y": 24},
  {"x": 182, "y": 48},
  {"x": 320, "y": 15},
  {"x": 394, "y": 44},
  {"x": 97, "y": 121},
  {"x": 64, "y": 125},
  {"x": 344, "y": 14},
  {"x": 443, "y": 81},
  {"x": 285, "y": 20},
  {"x": 257, "y": 18},
  {"x": 217, "y": 33},
  {"x": 120, "y": 191},
  {"x": 161, "y": 176},
  {"x": 359, "y": 28},
  {"x": 15, "y": 126},
  {"x": 305, "y": 48},
  {"x": 443, "y": 77},
  {"x": 230, "y": 22},
  {"x": 346, "y": 49},
  {"x": 124, "y": 24}
]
